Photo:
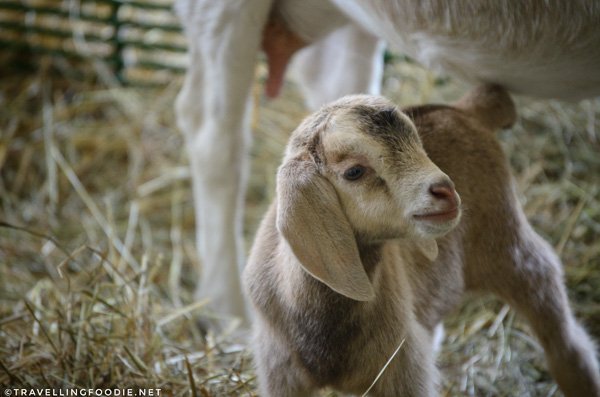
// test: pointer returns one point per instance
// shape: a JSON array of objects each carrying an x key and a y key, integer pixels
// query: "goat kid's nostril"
[{"x": 443, "y": 191}]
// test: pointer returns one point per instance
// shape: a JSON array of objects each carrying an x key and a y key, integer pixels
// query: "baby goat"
[{"x": 363, "y": 250}]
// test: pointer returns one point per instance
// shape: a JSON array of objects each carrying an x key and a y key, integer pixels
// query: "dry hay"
[{"x": 97, "y": 259}]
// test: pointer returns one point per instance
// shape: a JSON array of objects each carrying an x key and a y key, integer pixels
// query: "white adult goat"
[{"x": 547, "y": 48}]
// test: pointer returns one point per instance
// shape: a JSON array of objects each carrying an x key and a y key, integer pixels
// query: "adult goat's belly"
[
  {"x": 568, "y": 75},
  {"x": 534, "y": 48}
]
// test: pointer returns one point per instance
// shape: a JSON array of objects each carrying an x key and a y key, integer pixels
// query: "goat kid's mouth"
[{"x": 439, "y": 216}]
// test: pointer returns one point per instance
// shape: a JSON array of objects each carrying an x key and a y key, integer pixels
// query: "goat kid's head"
[{"x": 356, "y": 173}]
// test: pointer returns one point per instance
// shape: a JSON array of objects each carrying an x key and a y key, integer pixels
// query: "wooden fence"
[{"x": 139, "y": 40}]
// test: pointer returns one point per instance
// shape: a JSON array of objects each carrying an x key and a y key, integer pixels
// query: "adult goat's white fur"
[
  {"x": 344, "y": 265},
  {"x": 545, "y": 48}
]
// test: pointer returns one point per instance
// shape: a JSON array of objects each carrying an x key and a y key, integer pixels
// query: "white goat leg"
[
  {"x": 212, "y": 111},
  {"x": 347, "y": 61}
]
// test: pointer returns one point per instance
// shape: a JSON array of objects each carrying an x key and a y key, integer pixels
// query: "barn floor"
[{"x": 97, "y": 256}]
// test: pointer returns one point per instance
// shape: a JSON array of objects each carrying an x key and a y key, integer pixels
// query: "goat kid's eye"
[{"x": 354, "y": 173}]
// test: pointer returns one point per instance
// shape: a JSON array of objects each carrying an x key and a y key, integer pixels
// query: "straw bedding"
[{"x": 97, "y": 256}]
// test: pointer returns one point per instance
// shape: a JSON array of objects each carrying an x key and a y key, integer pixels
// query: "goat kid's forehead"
[
  {"x": 385, "y": 124},
  {"x": 375, "y": 134},
  {"x": 345, "y": 140},
  {"x": 370, "y": 126}
]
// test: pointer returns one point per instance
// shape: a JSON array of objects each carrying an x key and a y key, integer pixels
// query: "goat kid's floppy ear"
[{"x": 311, "y": 220}]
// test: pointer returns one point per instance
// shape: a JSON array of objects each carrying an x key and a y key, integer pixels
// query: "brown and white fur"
[{"x": 345, "y": 268}]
